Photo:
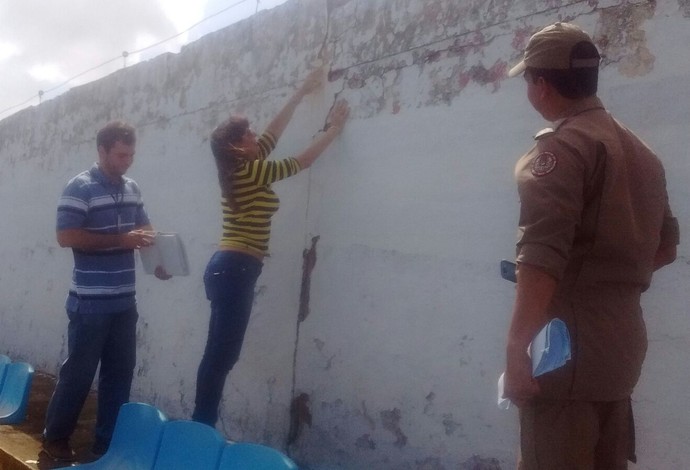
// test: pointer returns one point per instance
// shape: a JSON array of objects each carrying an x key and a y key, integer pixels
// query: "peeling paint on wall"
[
  {"x": 684, "y": 7},
  {"x": 621, "y": 37}
]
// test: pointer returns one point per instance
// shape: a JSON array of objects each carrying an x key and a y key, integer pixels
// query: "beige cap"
[{"x": 551, "y": 48}]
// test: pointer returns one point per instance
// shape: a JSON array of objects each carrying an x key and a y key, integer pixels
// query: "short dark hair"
[
  {"x": 115, "y": 131},
  {"x": 573, "y": 83}
]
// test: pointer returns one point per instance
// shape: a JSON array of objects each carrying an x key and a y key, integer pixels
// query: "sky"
[{"x": 50, "y": 46}]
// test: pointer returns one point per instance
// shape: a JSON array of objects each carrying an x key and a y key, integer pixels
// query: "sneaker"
[{"x": 59, "y": 450}]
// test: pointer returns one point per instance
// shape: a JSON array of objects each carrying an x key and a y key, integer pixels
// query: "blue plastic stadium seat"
[
  {"x": 136, "y": 439},
  {"x": 188, "y": 445},
  {"x": 247, "y": 456},
  {"x": 4, "y": 360},
  {"x": 14, "y": 396}
]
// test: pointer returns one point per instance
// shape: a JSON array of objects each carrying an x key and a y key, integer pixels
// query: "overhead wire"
[{"x": 124, "y": 55}]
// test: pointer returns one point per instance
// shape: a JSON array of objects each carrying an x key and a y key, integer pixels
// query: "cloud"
[
  {"x": 51, "y": 41},
  {"x": 47, "y": 73},
  {"x": 44, "y": 44},
  {"x": 8, "y": 50}
]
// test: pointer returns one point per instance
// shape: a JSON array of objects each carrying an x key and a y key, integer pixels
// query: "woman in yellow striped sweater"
[{"x": 248, "y": 202}]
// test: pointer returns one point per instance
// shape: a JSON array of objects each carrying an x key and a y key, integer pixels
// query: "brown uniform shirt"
[{"x": 594, "y": 211}]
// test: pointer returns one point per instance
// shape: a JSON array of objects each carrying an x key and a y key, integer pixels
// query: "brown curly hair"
[{"x": 226, "y": 155}]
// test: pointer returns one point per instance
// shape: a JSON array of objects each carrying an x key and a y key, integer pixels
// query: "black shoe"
[{"x": 59, "y": 450}]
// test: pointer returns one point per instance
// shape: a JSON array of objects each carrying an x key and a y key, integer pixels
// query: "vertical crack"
[
  {"x": 299, "y": 406},
  {"x": 308, "y": 263},
  {"x": 300, "y": 413}
]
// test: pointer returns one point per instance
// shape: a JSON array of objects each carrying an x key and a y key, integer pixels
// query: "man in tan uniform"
[{"x": 595, "y": 223}]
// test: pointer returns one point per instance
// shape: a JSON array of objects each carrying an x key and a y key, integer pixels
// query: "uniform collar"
[{"x": 580, "y": 106}]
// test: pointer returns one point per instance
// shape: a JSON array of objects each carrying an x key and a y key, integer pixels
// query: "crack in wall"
[
  {"x": 308, "y": 264},
  {"x": 299, "y": 407},
  {"x": 300, "y": 415}
]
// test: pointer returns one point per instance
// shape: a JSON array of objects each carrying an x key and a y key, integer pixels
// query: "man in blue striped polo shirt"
[{"x": 101, "y": 216}]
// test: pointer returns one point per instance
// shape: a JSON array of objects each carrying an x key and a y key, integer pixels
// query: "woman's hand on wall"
[
  {"x": 338, "y": 115},
  {"x": 334, "y": 125}
]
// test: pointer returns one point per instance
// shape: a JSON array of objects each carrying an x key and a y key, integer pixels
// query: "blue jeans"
[
  {"x": 229, "y": 279},
  {"x": 108, "y": 338}
]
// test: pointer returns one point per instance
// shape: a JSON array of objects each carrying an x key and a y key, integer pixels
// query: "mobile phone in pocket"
[{"x": 508, "y": 269}]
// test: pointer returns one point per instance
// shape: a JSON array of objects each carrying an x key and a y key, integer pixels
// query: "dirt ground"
[{"x": 20, "y": 444}]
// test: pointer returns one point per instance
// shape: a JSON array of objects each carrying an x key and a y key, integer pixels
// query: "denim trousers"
[
  {"x": 229, "y": 280},
  {"x": 108, "y": 338}
]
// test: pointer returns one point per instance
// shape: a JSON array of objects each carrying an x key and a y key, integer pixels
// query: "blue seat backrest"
[
  {"x": 136, "y": 439},
  {"x": 14, "y": 396},
  {"x": 188, "y": 445},
  {"x": 248, "y": 456},
  {"x": 4, "y": 360}
]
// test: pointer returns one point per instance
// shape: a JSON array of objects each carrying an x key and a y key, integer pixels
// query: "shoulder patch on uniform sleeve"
[
  {"x": 544, "y": 163},
  {"x": 544, "y": 132}
]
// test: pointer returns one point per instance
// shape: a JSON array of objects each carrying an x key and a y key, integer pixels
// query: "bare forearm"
[
  {"x": 280, "y": 122},
  {"x": 85, "y": 240},
  {"x": 317, "y": 147},
  {"x": 535, "y": 289},
  {"x": 88, "y": 241}
]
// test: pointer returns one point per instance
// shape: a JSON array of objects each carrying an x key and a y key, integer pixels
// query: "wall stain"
[
  {"x": 684, "y": 6},
  {"x": 430, "y": 403},
  {"x": 365, "y": 442},
  {"x": 478, "y": 463},
  {"x": 300, "y": 414},
  {"x": 450, "y": 425},
  {"x": 391, "y": 422},
  {"x": 430, "y": 463},
  {"x": 309, "y": 261},
  {"x": 365, "y": 414}
]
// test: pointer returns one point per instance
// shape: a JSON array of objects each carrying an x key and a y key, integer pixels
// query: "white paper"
[{"x": 167, "y": 251}]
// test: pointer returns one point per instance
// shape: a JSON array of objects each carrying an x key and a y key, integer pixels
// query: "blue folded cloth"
[{"x": 549, "y": 350}]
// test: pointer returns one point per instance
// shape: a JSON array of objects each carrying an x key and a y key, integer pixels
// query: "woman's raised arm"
[
  {"x": 335, "y": 123},
  {"x": 280, "y": 122}
]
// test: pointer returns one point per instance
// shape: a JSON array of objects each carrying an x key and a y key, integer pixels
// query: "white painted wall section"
[{"x": 393, "y": 360}]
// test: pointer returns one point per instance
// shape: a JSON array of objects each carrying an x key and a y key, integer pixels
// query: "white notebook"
[{"x": 167, "y": 251}]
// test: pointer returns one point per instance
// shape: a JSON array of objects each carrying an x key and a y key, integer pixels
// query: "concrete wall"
[{"x": 392, "y": 361}]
